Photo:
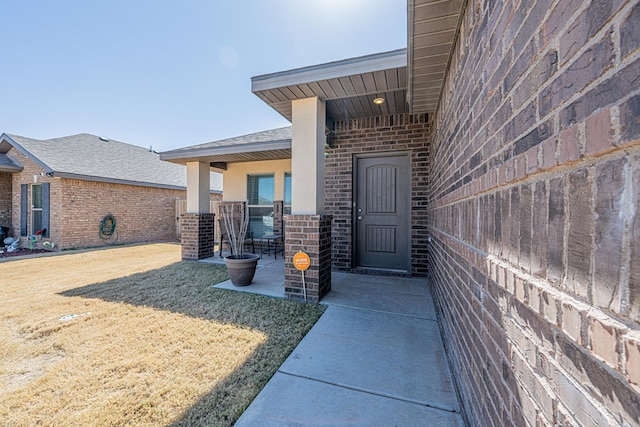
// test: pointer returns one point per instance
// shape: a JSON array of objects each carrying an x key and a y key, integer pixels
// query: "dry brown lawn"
[{"x": 133, "y": 336}]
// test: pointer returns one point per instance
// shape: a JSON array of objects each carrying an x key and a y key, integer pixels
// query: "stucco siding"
[{"x": 235, "y": 177}]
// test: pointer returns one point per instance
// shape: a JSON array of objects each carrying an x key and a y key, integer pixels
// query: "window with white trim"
[
  {"x": 36, "y": 208},
  {"x": 260, "y": 195}
]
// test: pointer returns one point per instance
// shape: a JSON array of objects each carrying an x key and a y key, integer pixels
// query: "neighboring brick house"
[
  {"x": 68, "y": 185},
  {"x": 520, "y": 139}
]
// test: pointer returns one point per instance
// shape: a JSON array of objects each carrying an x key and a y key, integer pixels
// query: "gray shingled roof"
[
  {"x": 274, "y": 144},
  {"x": 86, "y": 156},
  {"x": 273, "y": 135}
]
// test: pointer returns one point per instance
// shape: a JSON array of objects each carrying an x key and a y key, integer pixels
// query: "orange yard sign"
[{"x": 301, "y": 261}]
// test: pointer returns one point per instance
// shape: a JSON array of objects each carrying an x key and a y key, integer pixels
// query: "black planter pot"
[{"x": 241, "y": 268}]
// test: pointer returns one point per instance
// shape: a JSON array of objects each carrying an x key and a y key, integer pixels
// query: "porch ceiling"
[
  {"x": 348, "y": 87},
  {"x": 432, "y": 28}
]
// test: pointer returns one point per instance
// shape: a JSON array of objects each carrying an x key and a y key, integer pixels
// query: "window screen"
[{"x": 260, "y": 194}]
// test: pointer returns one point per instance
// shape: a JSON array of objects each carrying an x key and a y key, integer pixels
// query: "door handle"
[{"x": 359, "y": 218}]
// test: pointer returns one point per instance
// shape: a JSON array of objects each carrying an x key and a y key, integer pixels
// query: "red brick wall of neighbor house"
[
  {"x": 141, "y": 213},
  {"x": 5, "y": 199},
  {"x": 77, "y": 207},
  {"x": 534, "y": 218},
  {"x": 401, "y": 132}
]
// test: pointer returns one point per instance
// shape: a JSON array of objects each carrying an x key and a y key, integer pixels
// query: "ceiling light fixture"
[{"x": 378, "y": 101}]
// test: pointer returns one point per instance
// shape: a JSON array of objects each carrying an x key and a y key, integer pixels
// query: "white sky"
[{"x": 167, "y": 73}]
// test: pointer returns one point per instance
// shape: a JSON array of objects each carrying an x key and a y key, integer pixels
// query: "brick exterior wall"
[
  {"x": 310, "y": 234},
  {"x": 77, "y": 206},
  {"x": 197, "y": 235},
  {"x": 5, "y": 199},
  {"x": 533, "y": 212},
  {"x": 141, "y": 213},
  {"x": 401, "y": 132}
]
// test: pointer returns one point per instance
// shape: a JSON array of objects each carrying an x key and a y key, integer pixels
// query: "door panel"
[{"x": 382, "y": 209}]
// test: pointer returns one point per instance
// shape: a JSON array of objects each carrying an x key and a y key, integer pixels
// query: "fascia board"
[
  {"x": 68, "y": 175},
  {"x": 224, "y": 150},
  {"x": 331, "y": 70}
]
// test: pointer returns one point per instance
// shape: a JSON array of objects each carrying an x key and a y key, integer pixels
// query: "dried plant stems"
[{"x": 236, "y": 230}]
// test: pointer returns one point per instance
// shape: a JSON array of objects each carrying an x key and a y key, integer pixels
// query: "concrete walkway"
[{"x": 375, "y": 358}]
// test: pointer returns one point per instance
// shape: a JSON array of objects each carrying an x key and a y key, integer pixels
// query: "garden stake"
[{"x": 304, "y": 287}]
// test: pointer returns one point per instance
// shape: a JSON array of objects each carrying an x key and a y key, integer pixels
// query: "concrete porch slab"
[
  {"x": 407, "y": 296},
  {"x": 268, "y": 280}
]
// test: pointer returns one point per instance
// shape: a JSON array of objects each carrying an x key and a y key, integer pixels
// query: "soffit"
[
  {"x": 274, "y": 144},
  {"x": 432, "y": 28},
  {"x": 214, "y": 156},
  {"x": 348, "y": 87}
]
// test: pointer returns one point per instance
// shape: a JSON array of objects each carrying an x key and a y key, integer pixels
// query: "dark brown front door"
[{"x": 381, "y": 214}]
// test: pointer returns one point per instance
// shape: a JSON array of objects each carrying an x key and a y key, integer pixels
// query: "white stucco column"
[
  {"x": 307, "y": 156},
  {"x": 198, "y": 187}
]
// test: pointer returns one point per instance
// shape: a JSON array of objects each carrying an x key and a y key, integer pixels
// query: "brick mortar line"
[
  {"x": 472, "y": 248},
  {"x": 629, "y": 213}
]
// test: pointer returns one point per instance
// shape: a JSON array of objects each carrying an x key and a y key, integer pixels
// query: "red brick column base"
[
  {"x": 197, "y": 235},
  {"x": 310, "y": 234}
]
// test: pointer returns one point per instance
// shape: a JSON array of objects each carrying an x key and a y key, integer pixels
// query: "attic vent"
[{"x": 102, "y": 138}]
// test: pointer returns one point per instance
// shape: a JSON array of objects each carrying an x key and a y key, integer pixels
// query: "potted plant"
[{"x": 240, "y": 266}]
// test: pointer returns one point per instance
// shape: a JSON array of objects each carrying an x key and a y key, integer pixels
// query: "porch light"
[{"x": 378, "y": 101}]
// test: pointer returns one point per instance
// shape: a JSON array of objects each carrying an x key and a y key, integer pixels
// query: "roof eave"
[
  {"x": 183, "y": 156},
  {"x": 348, "y": 67},
  {"x": 433, "y": 27},
  {"x": 68, "y": 175},
  {"x": 410, "y": 31},
  {"x": 11, "y": 169}
]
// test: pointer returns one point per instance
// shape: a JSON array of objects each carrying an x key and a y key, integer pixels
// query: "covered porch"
[{"x": 291, "y": 161}]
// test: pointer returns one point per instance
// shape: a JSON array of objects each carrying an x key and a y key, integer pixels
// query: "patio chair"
[
  {"x": 224, "y": 237},
  {"x": 274, "y": 240}
]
